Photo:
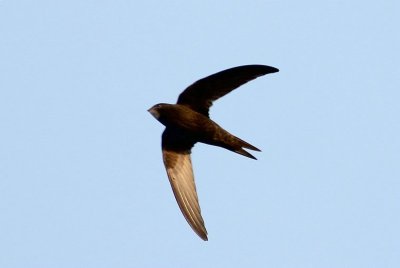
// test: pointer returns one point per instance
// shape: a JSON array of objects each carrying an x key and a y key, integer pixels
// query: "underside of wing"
[
  {"x": 180, "y": 173},
  {"x": 200, "y": 95}
]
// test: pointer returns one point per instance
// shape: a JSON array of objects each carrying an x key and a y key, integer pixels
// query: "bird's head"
[{"x": 157, "y": 109}]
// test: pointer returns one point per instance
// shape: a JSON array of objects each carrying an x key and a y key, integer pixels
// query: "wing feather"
[
  {"x": 178, "y": 164},
  {"x": 200, "y": 95}
]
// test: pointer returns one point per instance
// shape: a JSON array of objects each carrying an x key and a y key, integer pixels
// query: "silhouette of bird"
[{"x": 188, "y": 122}]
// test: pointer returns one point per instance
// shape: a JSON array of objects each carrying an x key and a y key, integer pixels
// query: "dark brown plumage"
[{"x": 188, "y": 122}]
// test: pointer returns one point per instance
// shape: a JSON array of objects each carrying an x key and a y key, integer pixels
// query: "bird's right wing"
[{"x": 176, "y": 156}]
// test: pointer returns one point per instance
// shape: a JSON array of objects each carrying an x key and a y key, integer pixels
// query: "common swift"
[{"x": 188, "y": 122}]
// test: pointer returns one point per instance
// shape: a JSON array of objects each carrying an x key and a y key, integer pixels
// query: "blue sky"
[{"x": 82, "y": 183}]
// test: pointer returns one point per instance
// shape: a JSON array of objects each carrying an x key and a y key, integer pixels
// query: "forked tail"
[
  {"x": 234, "y": 144},
  {"x": 237, "y": 146}
]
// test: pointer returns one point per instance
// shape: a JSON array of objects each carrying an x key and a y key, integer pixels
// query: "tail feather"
[
  {"x": 236, "y": 145},
  {"x": 224, "y": 139},
  {"x": 246, "y": 145},
  {"x": 244, "y": 152}
]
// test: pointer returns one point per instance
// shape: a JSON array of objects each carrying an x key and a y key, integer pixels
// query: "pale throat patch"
[{"x": 155, "y": 113}]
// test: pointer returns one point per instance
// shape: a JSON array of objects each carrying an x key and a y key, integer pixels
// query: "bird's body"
[
  {"x": 188, "y": 122},
  {"x": 196, "y": 127},
  {"x": 182, "y": 117}
]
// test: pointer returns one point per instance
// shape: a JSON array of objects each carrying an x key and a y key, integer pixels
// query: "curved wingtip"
[
  {"x": 268, "y": 69},
  {"x": 274, "y": 70},
  {"x": 202, "y": 234}
]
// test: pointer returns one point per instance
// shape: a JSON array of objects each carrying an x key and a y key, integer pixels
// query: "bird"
[{"x": 188, "y": 122}]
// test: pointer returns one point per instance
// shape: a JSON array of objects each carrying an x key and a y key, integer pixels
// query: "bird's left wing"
[
  {"x": 200, "y": 95},
  {"x": 176, "y": 156}
]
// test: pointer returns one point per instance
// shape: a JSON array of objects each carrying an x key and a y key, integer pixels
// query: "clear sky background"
[{"x": 82, "y": 183}]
